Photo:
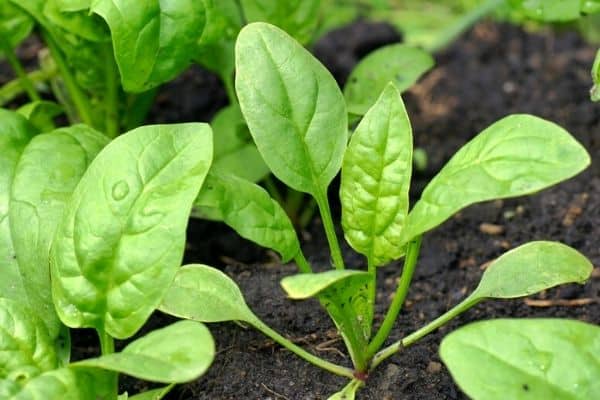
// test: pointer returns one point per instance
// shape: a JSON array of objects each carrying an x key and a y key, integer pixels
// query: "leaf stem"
[
  {"x": 112, "y": 94},
  {"x": 410, "y": 262},
  {"x": 418, "y": 334},
  {"x": 18, "y": 68},
  {"x": 334, "y": 246},
  {"x": 318, "y": 361},
  {"x": 107, "y": 346},
  {"x": 77, "y": 95},
  {"x": 12, "y": 89},
  {"x": 302, "y": 263}
]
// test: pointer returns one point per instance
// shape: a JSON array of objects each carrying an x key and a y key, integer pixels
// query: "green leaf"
[
  {"x": 305, "y": 286},
  {"x": 77, "y": 22},
  {"x": 123, "y": 235},
  {"x": 41, "y": 114},
  {"x": 525, "y": 359},
  {"x": 248, "y": 208},
  {"x": 154, "y": 394},
  {"x": 68, "y": 384},
  {"x": 376, "y": 179},
  {"x": 16, "y": 132},
  {"x": 46, "y": 175},
  {"x": 205, "y": 294},
  {"x": 179, "y": 353},
  {"x": 556, "y": 10},
  {"x": 15, "y": 25},
  {"x": 26, "y": 350},
  {"x": 401, "y": 64},
  {"x": 531, "y": 268},
  {"x": 153, "y": 40},
  {"x": 293, "y": 107},
  {"x": 517, "y": 155},
  {"x": 299, "y": 18},
  {"x": 348, "y": 392},
  {"x": 595, "y": 91},
  {"x": 235, "y": 151}
]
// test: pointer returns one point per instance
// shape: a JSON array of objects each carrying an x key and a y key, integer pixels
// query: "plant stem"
[
  {"x": 229, "y": 88},
  {"x": 107, "y": 346},
  {"x": 418, "y": 334},
  {"x": 319, "y": 362},
  {"x": 12, "y": 89},
  {"x": 79, "y": 98},
  {"x": 410, "y": 261},
  {"x": 18, "y": 68},
  {"x": 111, "y": 102},
  {"x": 334, "y": 246},
  {"x": 273, "y": 191},
  {"x": 307, "y": 213},
  {"x": 303, "y": 265}
]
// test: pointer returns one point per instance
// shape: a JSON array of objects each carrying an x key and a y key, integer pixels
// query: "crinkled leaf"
[
  {"x": 26, "y": 350},
  {"x": 398, "y": 63},
  {"x": 15, "y": 24},
  {"x": 249, "y": 209},
  {"x": 376, "y": 179},
  {"x": 293, "y": 107},
  {"x": 153, "y": 40},
  {"x": 299, "y": 18},
  {"x": 15, "y": 133},
  {"x": 46, "y": 175},
  {"x": 123, "y": 236},
  {"x": 235, "y": 151},
  {"x": 41, "y": 114},
  {"x": 79, "y": 23},
  {"x": 525, "y": 359},
  {"x": 178, "y": 353},
  {"x": 517, "y": 155},
  {"x": 205, "y": 294},
  {"x": 531, "y": 268},
  {"x": 68, "y": 384}
]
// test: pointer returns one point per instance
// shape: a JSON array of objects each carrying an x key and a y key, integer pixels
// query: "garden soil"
[{"x": 493, "y": 71}]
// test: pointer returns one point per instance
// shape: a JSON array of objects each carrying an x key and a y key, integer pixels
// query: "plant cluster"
[{"x": 92, "y": 223}]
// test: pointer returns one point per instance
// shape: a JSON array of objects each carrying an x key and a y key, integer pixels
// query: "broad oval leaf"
[
  {"x": 205, "y": 294},
  {"x": 68, "y": 384},
  {"x": 152, "y": 40},
  {"x": 178, "y": 353},
  {"x": 293, "y": 107},
  {"x": 26, "y": 349},
  {"x": 299, "y": 18},
  {"x": 123, "y": 235},
  {"x": 304, "y": 286},
  {"x": 376, "y": 178},
  {"x": 46, "y": 175},
  {"x": 235, "y": 151},
  {"x": 531, "y": 268},
  {"x": 517, "y": 155},
  {"x": 525, "y": 359},
  {"x": 397, "y": 63},
  {"x": 15, "y": 133},
  {"x": 248, "y": 208}
]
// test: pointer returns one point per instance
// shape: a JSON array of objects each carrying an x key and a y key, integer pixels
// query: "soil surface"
[{"x": 494, "y": 70}]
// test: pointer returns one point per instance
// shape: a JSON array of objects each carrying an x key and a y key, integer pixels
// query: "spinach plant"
[
  {"x": 92, "y": 233},
  {"x": 297, "y": 117}
]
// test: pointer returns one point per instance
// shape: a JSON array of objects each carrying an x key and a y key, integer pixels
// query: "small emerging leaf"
[
  {"x": 205, "y": 294},
  {"x": 348, "y": 392},
  {"x": 398, "y": 63},
  {"x": 304, "y": 286},
  {"x": 249, "y": 209},
  {"x": 517, "y": 155},
  {"x": 178, "y": 353},
  {"x": 525, "y": 359},
  {"x": 293, "y": 107},
  {"x": 376, "y": 179}
]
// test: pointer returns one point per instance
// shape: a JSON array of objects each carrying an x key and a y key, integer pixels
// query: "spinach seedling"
[
  {"x": 109, "y": 218},
  {"x": 297, "y": 116}
]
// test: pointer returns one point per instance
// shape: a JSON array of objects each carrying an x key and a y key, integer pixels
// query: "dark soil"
[{"x": 493, "y": 71}]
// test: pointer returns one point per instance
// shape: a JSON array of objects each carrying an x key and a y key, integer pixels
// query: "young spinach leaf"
[
  {"x": 41, "y": 114},
  {"x": 49, "y": 169},
  {"x": 283, "y": 88},
  {"x": 123, "y": 234},
  {"x": 305, "y": 286},
  {"x": 525, "y": 359},
  {"x": 249, "y": 209},
  {"x": 520, "y": 154},
  {"x": 398, "y": 63},
  {"x": 152, "y": 39},
  {"x": 177, "y": 353},
  {"x": 376, "y": 178}
]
